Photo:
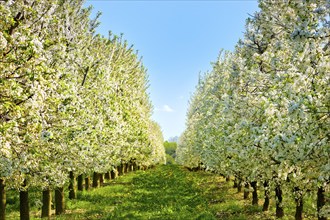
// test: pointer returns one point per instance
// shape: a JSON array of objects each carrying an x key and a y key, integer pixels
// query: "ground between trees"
[{"x": 165, "y": 192}]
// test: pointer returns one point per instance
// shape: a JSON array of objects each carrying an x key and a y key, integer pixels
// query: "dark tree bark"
[
  {"x": 320, "y": 202},
  {"x": 120, "y": 170},
  {"x": 279, "y": 198},
  {"x": 46, "y": 204},
  {"x": 124, "y": 168},
  {"x": 127, "y": 168},
  {"x": 299, "y": 209},
  {"x": 299, "y": 203},
  {"x": 59, "y": 201},
  {"x": 113, "y": 174},
  {"x": 246, "y": 190},
  {"x": 235, "y": 183},
  {"x": 96, "y": 179},
  {"x": 265, "y": 207},
  {"x": 107, "y": 176},
  {"x": 87, "y": 183},
  {"x": 135, "y": 167},
  {"x": 2, "y": 200},
  {"x": 24, "y": 204},
  {"x": 254, "y": 193},
  {"x": 239, "y": 185},
  {"x": 72, "y": 188},
  {"x": 101, "y": 179},
  {"x": 80, "y": 182},
  {"x": 227, "y": 178}
]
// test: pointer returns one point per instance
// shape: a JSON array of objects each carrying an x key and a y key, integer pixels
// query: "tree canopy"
[
  {"x": 71, "y": 100},
  {"x": 262, "y": 112}
]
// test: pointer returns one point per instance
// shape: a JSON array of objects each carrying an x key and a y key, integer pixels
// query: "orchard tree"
[
  {"x": 269, "y": 101},
  {"x": 71, "y": 103}
]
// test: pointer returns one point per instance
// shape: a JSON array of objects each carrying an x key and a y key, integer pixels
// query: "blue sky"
[{"x": 178, "y": 40}]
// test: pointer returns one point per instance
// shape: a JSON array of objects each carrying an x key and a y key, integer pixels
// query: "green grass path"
[{"x": 164, "y": 193}]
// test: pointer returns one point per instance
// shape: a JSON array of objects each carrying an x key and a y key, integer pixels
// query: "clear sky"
[{"x": 178, "y": 40}]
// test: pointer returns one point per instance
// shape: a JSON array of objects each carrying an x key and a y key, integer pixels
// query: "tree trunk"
[
  {"x": 80, "y": 182},
  {"x": 246, "y": 190},
  {"x": 24, "y": 204},
  {"x": 125, "y": 168},
  {"x": 72, "y": 190},
  {"x": 235, "y": 183},
  {"x": 135, "y": 166},
  {"x": 113, "y": 174},
  {"x": 120, "y": 170},
  {"x": 2, "y": 200},
  {"x": 265, "y": 207},
  {"x": 299, "y": 203},
  {"x": 107, "y": 176},
  {"x": 128, "y": 168},
  {"x": 46, "y": 204},
  {"x": 227, "y": 178},
  {"x": 87, "y": 183},
  {"x": 299, "y": 208},
  {"x": 254, "y": 193},
  {"x": 101, "y": 179},
  {"x": 59, "y": 201},
  {"x": 239, "y": 185},
  {"x": 96, "y": 179},
  {"x": 279, "y": 198},
  {"x": 320, "y": 202}
]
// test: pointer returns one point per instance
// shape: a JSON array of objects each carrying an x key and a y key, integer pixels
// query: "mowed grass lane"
[{"x": 165, "y": 193}]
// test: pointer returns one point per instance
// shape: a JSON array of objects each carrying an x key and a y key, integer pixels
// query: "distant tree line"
[{"x": 170, "y": 150}]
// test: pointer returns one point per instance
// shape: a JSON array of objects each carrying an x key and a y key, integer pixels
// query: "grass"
[{"x": 164, "y": 193}]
